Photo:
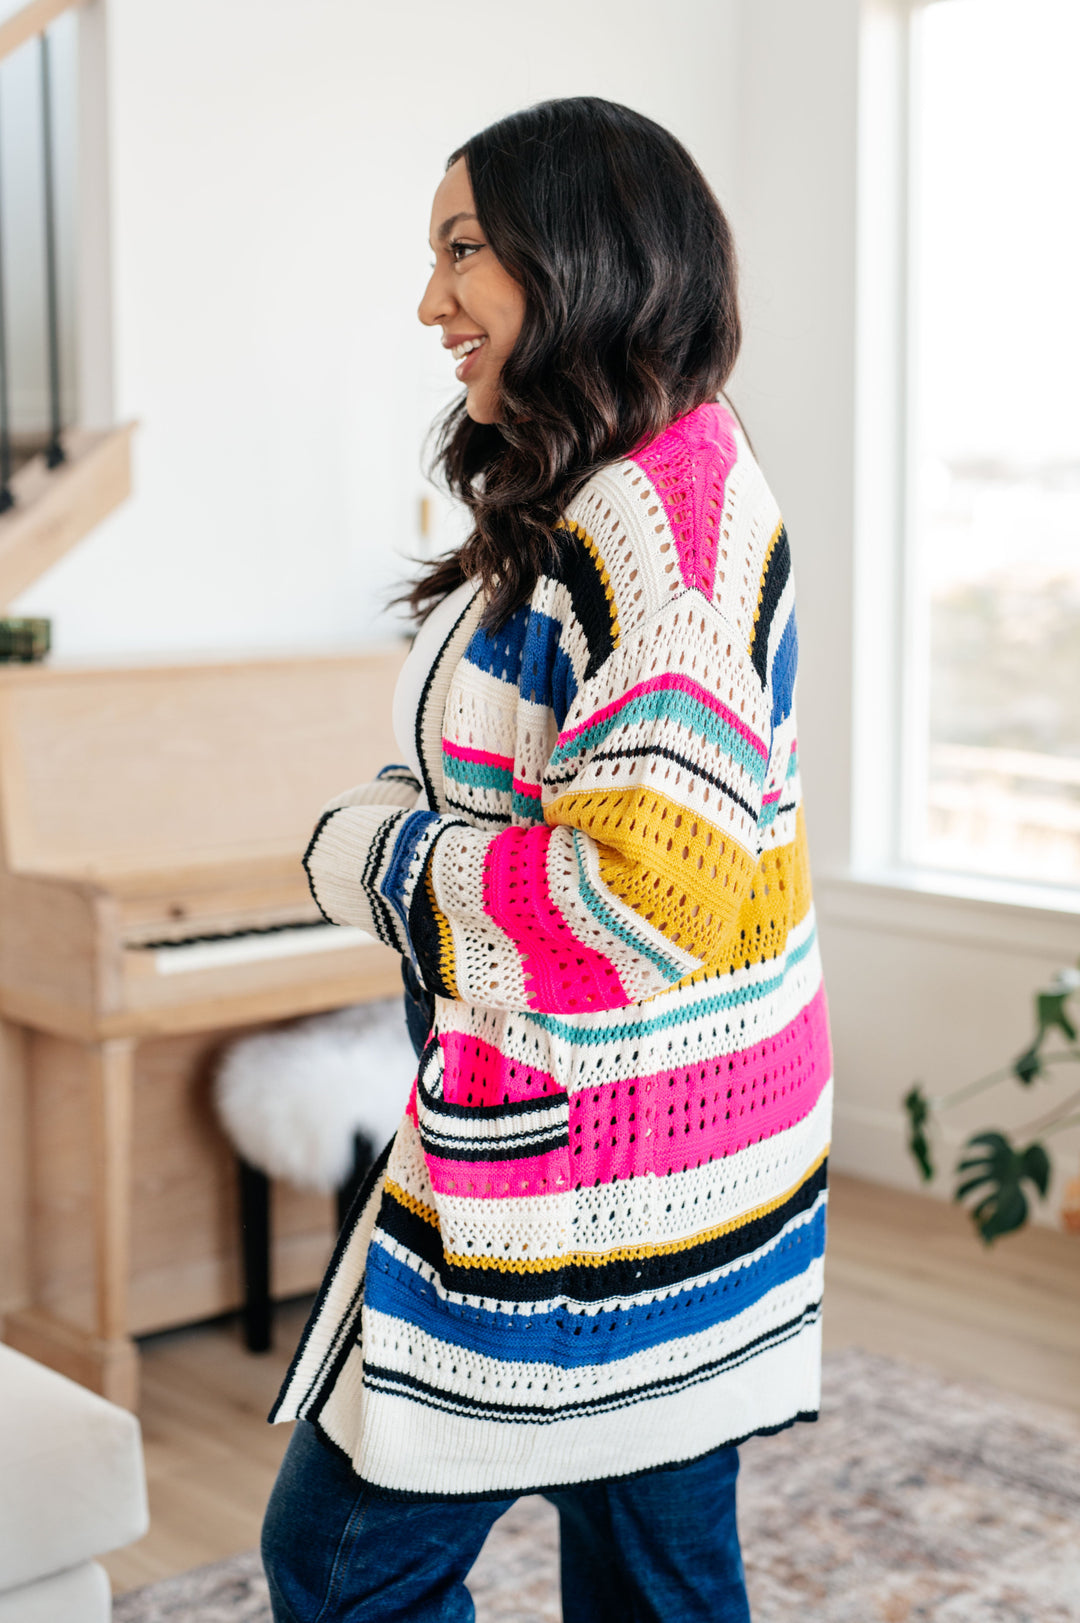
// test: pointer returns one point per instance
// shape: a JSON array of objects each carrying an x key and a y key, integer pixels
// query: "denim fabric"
[
  {"x": 419, "y": 1007},
  {"x": 661, "y": 1548}
]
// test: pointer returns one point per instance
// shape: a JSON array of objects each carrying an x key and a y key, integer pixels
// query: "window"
[{"x": 992, "y": 661}]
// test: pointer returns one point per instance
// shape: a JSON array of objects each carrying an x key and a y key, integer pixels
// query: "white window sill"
[{"x": 1001, "y": 915}]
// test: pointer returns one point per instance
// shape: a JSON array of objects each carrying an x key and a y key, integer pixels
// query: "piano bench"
[{"x": 255, "y": 1238}]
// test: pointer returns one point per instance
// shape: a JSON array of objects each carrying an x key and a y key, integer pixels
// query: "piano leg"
[
  {"x": 112, "y": 1084},
  {"x": 103, "y": 1357},
  {"x": 255, "y": 1244}
]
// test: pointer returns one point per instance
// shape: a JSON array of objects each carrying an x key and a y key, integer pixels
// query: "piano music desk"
[{"x": 152, "y": 905}]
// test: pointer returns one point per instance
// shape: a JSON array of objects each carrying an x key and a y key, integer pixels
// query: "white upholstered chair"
[{"x": 72, "y": 1486}]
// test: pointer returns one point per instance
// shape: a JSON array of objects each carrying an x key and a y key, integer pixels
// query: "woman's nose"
[{"x": 437, "y": 303}]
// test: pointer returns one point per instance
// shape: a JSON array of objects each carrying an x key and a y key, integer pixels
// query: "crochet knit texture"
[{"x": 595, "y": 1245}]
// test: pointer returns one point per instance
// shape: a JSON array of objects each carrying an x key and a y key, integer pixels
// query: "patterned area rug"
[{"x": 914, "y": 1500}]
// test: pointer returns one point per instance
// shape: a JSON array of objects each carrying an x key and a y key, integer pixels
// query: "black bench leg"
[
  {"x": 363, "y": 1155},
  {"x": 255, "y": 1242}
]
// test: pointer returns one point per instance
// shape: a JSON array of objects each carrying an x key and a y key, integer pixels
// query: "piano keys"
[{"x": 152, "y": 904}]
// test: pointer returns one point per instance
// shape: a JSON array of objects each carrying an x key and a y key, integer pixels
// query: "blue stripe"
[
  {"x": 409, "y": 836},
  {"x": 499, "y": 652},
  {"x": 573, "y": 1340},
  {"x": 668, "y": 705},
  {"x": 723, "y": 1003},
  {"x": 563, "y": 687},
  {"x": 784, "y": 663}
]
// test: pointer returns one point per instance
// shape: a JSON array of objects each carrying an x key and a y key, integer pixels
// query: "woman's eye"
[{"x": 462, "y": 250}]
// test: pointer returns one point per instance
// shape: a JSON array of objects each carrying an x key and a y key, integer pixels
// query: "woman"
[{"x": 590, "y": 1263}]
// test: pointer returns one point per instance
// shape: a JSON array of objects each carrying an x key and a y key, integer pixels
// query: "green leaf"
[
  {"x": 1028, "y": 1065},
  {"x": 918, "y": 1110},
  {"x": 1035, "y": 1165},
  {"x": 998, "y": 1172},
  {"x": 1051, "y": 1012}
]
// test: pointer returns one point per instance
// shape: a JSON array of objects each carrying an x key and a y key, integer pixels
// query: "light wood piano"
[{"x": 152, "y": 904}]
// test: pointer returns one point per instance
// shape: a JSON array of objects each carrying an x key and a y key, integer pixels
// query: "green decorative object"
[
  {"x": 992, "y": 1171},
  {"x": 24, "y": 641}
]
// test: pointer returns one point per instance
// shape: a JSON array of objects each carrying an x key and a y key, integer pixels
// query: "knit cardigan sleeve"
[{"x": 652, "y": 806}]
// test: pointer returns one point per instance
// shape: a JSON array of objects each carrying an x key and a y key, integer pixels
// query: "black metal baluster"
[
  {"x": 6, "y": 498},
  {"x": 54, "y": 451}
]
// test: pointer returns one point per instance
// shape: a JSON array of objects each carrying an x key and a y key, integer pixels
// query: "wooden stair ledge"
[{"x": 55, "y": 507}]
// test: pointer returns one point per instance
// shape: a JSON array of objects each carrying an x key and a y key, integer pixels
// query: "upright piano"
[{"x": 152, "y": 905}]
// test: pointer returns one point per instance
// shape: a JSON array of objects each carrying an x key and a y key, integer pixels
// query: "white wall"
[
  {"x": 921, "y": 986},
  {"x": 272, "y": 165}
]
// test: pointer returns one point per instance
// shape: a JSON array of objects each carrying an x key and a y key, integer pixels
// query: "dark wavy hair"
[{"x": 631, "y": 320}]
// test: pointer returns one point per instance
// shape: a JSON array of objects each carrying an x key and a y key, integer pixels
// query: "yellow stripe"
[
  {"x": 682, "y": 874},
  {"x": 776, "y": 903},
  {"x": 601, "y": 569},
  {"x": 446, "y": 939},
  {"x": 599, "y": 1259},
  {"x": 761, "y": 585}
]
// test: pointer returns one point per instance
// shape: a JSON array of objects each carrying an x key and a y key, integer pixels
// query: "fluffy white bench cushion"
[
  {"x": 72, "y": 1483},
  {"x": 291, "y": 1099},
  {"x": 80, "y": 1595}
]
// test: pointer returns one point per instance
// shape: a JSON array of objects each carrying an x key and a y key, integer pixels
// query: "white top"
[{"x": 414, "y": 673}]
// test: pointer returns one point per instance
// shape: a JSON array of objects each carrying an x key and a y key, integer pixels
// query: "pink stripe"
[
  {"x": 688, "y": 466},
  {"x": 678, "y": 1119},
  {"x": 493, "y": 1180},
  {"x": 531, "y": 789},
  {"x": 465, "y": 752},
  {"x": 767, "y": 800},
  {"x": 683, "y": 684},
  {"x": 477, "y": 1073},
  {"x": 562, "y": 975}
]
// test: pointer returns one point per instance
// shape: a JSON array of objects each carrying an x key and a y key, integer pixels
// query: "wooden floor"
[{"x": 905, "y": 1276}]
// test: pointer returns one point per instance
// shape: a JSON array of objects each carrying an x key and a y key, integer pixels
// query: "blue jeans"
[{"x": 661, "y": 1548}]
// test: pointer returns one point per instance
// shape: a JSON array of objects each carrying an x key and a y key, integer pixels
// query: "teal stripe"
[
  {"x": 478, "y": 774},
  {"x": 602, "y": 911},
  {"x": 670, "y": 705},
  {"x": 793, "y": 764},
  {"x": 720, "y": 1004},
  {"x": 528, "y": 806}
]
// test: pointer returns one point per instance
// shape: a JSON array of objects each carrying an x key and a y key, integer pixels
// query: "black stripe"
[
  {"x": 442, "y": 1107},
  {"x": 501, "y": 819},
  {"x": 425, "y": 693},
  {"x": 580, "y": 1284},
  {"x": 356, "y": 1211},
  {"x": 391, "y": 931},
  {"x": 306, "y": 858},
  {"x": 776, "y": 578},
  {"x": 650, "y": 750},
  {"x": 392, "y": 1380},
  {"x": 423, "y": 927},
  {"x": 578, "y": 569},
  {"x": 506, "y": 1150}
]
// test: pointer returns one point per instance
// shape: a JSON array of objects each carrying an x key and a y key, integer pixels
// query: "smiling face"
[{"x": 471, "y": 296}]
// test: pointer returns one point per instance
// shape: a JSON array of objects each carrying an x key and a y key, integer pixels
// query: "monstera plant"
[{"x": 997, "y": 1172}]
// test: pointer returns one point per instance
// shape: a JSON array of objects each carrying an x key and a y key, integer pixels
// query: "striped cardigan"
[{"x": 595, "y": 1245}]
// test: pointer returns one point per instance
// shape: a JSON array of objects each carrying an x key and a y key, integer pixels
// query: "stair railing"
[{"x": 29, "y": 23}]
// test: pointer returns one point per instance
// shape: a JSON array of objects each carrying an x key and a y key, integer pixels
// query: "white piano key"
[{"x": 186, "y": 956}]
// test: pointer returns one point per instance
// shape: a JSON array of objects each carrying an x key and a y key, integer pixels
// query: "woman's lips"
[{"x": 464, "y": 367}]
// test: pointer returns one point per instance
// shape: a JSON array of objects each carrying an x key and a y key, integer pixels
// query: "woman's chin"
[{"x": 479, "y": 406}]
